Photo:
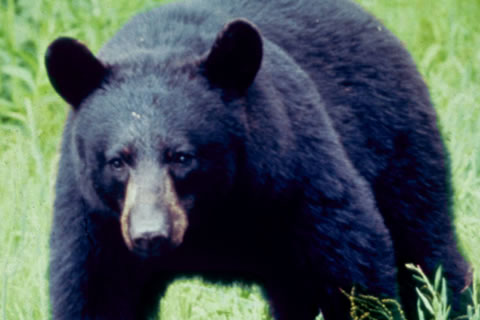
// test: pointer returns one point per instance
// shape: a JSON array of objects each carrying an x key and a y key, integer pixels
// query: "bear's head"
[{"x": 156, "y": 137}]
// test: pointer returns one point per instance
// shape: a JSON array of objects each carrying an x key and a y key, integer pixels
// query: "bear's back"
[{"x": 361, "y": 71}]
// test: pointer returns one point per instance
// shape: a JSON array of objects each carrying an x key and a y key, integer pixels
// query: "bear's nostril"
[
  {"x": 142, "y": 244},
  {"x": 149, "y": 242}
]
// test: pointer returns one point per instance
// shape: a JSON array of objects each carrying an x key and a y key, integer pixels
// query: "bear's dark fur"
[{"x": 291, "y": 143}]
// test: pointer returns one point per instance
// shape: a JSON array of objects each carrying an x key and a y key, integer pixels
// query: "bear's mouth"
[{"x": 152, "y": 247}]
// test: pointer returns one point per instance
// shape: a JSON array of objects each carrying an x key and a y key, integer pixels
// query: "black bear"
[{"x": 288, "y": 143}]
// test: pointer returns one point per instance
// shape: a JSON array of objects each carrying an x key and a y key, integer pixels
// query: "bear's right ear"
[
  {"x": 73, "y": 70},
  {"x": 236, "y": 56}
]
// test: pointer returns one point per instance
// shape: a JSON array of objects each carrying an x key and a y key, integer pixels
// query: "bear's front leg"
[
  {"x": 334, "y": 244},
  {"x": 300, "y": 293},
  {"x": 349, "y": 246},
  {"x": 92, "y": 276}
]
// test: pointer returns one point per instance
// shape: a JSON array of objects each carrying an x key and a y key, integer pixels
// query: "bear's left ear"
[
  {"x": 236, "y": 55},
  {"x": 73, "y": 70}
]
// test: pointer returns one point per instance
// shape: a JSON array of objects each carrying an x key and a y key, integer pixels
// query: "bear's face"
[
  {"x": 155, "y": 147},
  {"x": 151, "y": 157}
]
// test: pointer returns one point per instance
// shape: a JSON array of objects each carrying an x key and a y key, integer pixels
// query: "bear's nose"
[{"x": 150, "y": 242}]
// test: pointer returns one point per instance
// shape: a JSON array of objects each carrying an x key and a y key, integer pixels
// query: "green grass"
[{"x": 443, "y": 36}]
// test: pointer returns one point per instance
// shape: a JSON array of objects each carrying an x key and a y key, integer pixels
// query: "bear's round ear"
[
  {"x": 235, "y": 57},
  {"x": 73, "y": 70}
]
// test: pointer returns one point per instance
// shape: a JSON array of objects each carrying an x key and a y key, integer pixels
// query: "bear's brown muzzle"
[{"x": 152, "y": 221}]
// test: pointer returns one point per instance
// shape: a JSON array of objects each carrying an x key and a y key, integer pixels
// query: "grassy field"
[{"x": 443, "y": 36}]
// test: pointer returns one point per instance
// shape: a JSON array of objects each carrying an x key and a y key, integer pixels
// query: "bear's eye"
[
  {"x": 117, "y": 164},
  {"x": 180, "y": 158}
]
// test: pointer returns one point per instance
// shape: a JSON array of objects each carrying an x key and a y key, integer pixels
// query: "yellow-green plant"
[
  {"x": 366, "y": 307},
  {"x": 432, "y": 301}
]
